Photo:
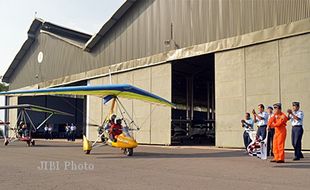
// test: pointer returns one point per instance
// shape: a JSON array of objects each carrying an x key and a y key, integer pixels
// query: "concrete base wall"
[
  {"x": 277, "y": 71},
  {"x": 153, "y": 120}
]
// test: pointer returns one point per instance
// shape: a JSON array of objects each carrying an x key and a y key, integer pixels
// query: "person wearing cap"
[
  {"x": 116, "y": 129},
  {"x": 296, "y": 118},
  {"x": 261, "y": 120},
  {"x": 270, "y": 132},
  {"x": 46, "y": 134},
  {"x": 110, "y": 122},
  {"x": 247, "y": 124},
  {"x": 278, "y": 122},
  {"x": 23, "y": 129}
]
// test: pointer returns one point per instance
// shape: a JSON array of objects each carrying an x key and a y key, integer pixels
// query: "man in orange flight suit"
[{"x": 278, "y": 121}]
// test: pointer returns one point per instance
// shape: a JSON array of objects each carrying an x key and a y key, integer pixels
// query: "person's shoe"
[
  {"x": 273, "y": 160},
  {"x": 280, "y": 161},
  {"x": 302, "y": 156},
  {"x": 295, "y": 159}
]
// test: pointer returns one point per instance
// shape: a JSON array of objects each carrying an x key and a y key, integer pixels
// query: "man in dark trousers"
[
  {"x": 270, "y": 133},
  {"x": 261, "y": 119},
  {"x": 296, "y": 117},
  {"x": 247, "y": 124}
]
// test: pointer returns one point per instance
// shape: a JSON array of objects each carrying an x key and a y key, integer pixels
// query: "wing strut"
[{"x": 45, "y": 120}]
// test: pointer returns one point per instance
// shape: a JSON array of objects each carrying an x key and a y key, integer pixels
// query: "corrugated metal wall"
[
  {"x": 59, "y": 59},
  {"x": 147, "y": 25},
  {"x": 144, "y": 28}
]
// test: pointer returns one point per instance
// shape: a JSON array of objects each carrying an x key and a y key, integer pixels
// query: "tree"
[{"x": 4, "y": 87}]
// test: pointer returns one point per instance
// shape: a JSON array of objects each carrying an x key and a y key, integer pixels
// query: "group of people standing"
[
  {"x": 48, "y": 131},
  {"x": 274, "y": 121},
  {"x": 70, "y": 132}
]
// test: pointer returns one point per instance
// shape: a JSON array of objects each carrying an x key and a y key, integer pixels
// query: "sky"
[{"x": 16, "y": 17}]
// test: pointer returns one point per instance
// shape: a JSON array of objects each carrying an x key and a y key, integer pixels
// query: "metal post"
[
  {"x": 187, "y": 99},
  {"x": 208, "y": 100},
  {"x": 192, "y": 96},
  {"x": 30, "y": 121}
]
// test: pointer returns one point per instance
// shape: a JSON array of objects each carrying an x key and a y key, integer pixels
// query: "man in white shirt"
[
  {"x": 67, "y": 127},
  {"x": 50, "y": 131},
  {"x": 247, "y": 124},
  {"x": 261, "y": 120},
  {"x": 72, "y": 131},
  {"x": 270, "y": 133},
  {"x": 296, "y": 117},
  {"x": 46, "y": 134}
]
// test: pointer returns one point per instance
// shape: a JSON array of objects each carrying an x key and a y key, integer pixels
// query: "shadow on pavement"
[
  {"x": 303, "y": 164},
  {"x": 139, "y": 155},
  {"x": 295, "y": 166},
  {"x": 57, "y": 145}
]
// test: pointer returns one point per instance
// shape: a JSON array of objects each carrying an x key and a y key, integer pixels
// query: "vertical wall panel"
[
  {"x": 229, "y": 97},
  {"x": 12, "y": 115},
  {"x": 142, "y": 79},
  {"x": 262, "y": 75},
  {"x": 161, "y": 116},
  {"x": 295, "y": 79}
]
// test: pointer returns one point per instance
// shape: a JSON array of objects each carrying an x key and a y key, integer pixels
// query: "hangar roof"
[
  {"x": 109, "y": 24},
  {"x": 38, "y": 25},
  {"x": 82, "y": 40}
]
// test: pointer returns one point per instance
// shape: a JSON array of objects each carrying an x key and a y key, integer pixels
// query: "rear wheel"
[
  {"x": 128, "y": 151},
  {"x": 6, "y": 142}
]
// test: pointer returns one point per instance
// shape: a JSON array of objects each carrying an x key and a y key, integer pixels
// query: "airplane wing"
[
  {"x": 35, "y": 108},
  {"x": 118, "y": 90}
]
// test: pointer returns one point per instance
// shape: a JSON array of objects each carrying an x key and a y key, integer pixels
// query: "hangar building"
[{"x": 215, "y": 60}]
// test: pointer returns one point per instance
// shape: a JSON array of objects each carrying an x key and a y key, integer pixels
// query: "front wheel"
[{"x": 128, "y": 151}]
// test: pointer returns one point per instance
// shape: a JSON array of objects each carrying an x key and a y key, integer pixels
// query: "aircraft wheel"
[
  {"x": 33, "y": 142},
  {"x": 28, "y": 143},
  {"x": 87, "y": 152},
  {"x": 128, "y": 151}
]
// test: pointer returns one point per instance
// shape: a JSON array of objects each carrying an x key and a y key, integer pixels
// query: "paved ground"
[{"x": 149, "y": 168}]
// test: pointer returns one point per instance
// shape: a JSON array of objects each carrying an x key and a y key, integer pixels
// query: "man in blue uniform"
[
  {"x": 296, "y": 117},
  {"x": 247, "y": 124},
  {"x": 261, "y": 119}
]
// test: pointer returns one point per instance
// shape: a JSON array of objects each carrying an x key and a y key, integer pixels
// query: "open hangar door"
[
  {"x": 75, "y": 105},
  {"x": 193, "y": 92}
]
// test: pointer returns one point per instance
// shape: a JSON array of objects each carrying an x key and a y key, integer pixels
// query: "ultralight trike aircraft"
[
  {"x": 21, "y": 131},
  {"x": 125, "y": 140}
]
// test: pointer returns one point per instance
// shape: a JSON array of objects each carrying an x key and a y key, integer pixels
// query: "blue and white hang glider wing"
[{"x": 117, "y": 90}]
